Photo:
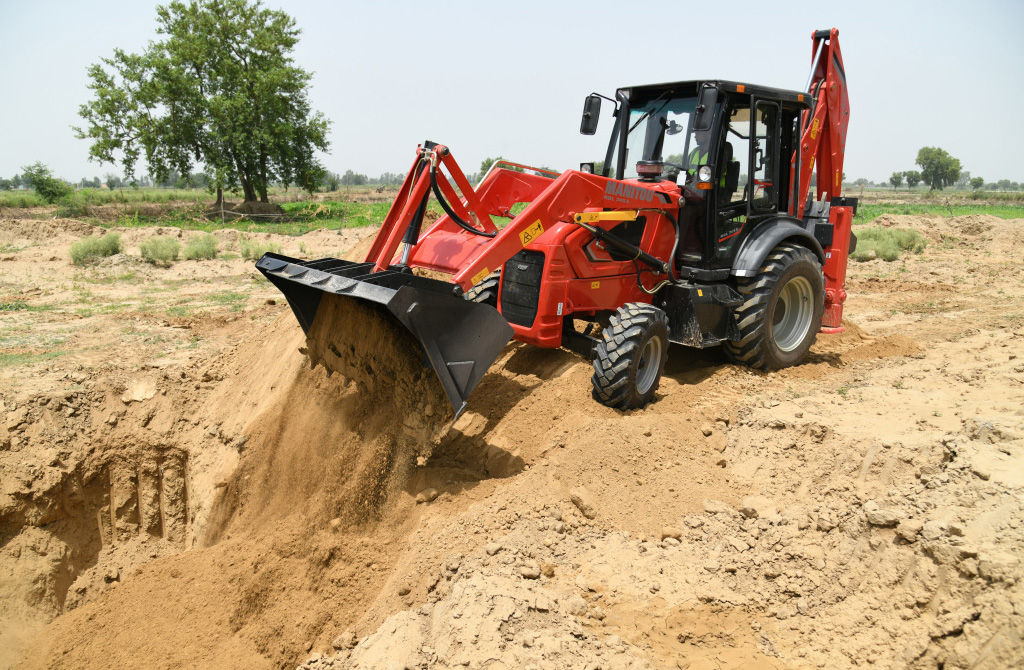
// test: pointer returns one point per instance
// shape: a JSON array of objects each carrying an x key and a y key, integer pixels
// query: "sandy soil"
[{"x": 178, "y": 488}]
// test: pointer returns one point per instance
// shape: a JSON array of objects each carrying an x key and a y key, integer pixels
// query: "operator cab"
[{"x": 726, "y": 145}]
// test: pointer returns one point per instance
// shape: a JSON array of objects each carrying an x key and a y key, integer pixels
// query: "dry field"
[{"x": 179, "y": 489}]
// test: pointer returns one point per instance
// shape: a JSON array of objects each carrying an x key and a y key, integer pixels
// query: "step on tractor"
[{"x": 700, "y": 227}]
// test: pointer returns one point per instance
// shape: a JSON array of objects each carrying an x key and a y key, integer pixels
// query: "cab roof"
[{"x": 803, "y": 99}]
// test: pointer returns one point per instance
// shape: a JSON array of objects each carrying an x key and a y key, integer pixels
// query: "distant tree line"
[{"x": 940, "y": 170}]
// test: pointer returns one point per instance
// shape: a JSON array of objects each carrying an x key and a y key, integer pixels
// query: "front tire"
[
  {"x": 781, "y": 313},
  {"x": 631, "y": 356},
  {"x": 486, "y": 291}
]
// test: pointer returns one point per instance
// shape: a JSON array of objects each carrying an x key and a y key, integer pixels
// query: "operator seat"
[{"x": 732, "y": 174}]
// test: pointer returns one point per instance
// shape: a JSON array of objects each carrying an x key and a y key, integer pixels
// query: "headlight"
[{"x": 704, "y": 174}]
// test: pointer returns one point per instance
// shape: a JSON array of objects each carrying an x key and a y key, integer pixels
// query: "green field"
[
  {"x": 363, "y": 206},
  {"x": 870, "y": 211}
]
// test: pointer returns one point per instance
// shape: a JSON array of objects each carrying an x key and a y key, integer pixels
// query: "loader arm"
[
  {"x": 404, "y": 220},
  {"x": 571, "y": 193}
]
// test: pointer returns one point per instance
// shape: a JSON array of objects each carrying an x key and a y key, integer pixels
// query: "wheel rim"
[
  {"x": 647, "y": 370},
  {"x": 793, "y": 313}
]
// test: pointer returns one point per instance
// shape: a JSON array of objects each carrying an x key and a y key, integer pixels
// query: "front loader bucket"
[{"x": 460, "y": 338}]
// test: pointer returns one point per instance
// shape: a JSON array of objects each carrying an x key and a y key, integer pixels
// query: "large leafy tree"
[
  {"x": 938, "y": 168},
  {"x": 219, "y": 89}
]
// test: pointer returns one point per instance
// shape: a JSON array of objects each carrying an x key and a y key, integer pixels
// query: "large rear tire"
[
  {"x": 631, "y": 356},
  {"x": 781, "y": 314}
]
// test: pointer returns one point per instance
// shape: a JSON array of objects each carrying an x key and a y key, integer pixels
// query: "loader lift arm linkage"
[{"x": 757, "y": 269}]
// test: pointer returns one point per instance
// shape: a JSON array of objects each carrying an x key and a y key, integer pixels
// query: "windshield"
[{"x": 659, "y": 128}]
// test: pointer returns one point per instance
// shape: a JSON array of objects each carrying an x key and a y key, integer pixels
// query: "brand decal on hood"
[{"x": 620, "y": 192}]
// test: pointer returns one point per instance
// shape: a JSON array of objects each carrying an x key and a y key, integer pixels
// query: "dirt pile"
[
  {"x": 300, "y": 522},
  {"x": 866, "y": 508}
]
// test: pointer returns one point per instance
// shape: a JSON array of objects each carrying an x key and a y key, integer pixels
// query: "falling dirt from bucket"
[{"x": 367, "y": 347}]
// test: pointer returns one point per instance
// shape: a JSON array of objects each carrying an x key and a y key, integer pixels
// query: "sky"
[{"x": 509, "y": 78}]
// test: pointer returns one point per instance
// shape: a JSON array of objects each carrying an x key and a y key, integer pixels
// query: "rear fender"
[{"x": 766, "y": 237}]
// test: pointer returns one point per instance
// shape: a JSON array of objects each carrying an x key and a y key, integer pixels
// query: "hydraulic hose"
[
  {"x": 448, "y": 209},
  {"x": 672, "y": 278},
  {"x": 675, "y": 245}
]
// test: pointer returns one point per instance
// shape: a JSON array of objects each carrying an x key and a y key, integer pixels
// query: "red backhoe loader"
[{"x": 699, "y": 228}]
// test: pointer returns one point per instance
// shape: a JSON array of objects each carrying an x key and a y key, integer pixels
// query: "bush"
[
  {"x": 73, "y": 206},
  {"x": 160, "y": 250},
  {"x": 48, "y": 187},
  {"x": 886, "y": 243},
  {"x": 202, "y": 248},
  {"x": 252, "y": 249},
  {"x": 91, "y": 249}
]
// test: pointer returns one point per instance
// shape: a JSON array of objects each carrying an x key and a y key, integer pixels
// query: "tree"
[
  {"x": 354, "y": 179},
  {"x": 331, "y": 181},
  {"x": 938, "y": 168},
  {"x": 977, "y": 183},
  {"x": 896, "y": 179},
  {"x": 5, "y": 184},
  {"x": 913, "y": 178},
  {"x": 221, "y": 89},
  {"x": 964, "y": 180},
  {"x": 389, "y": 179},
  {"x": 487, "y": 162},
  {"x": 46, "y": 185}
]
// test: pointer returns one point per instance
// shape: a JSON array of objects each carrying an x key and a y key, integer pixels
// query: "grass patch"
[
  {"x": 202, "y": 248},
  {"x": 160, "y": 250},
  {"x": 91, "y": 249},
  {"x": 22, "y": 306},
  {"x": 11, "y": 360},
  {"x": 180, "y": 311},
  {"x": 252, "y": 249},
  {"x": 870, "y": 212},
  {"x": 230, "y": 299},
  {"x": 887, "y": 243},
  {"x": 94, "y": 278}
]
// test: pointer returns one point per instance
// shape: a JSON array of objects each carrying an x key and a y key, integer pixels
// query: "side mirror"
[
  {"x": 706, "y": 100},
  {"x": 591, "y": 114}
]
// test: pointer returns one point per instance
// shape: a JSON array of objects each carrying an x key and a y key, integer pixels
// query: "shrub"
[
  {"x": 48, "y": 187},
  {"x": 91, "y": 249},
  {"x": 886, "y": 243},
  {"x": 73, "y": 205},
  {"x": 253, "y": 249},
  {"x": 160, "y": 250},
  {"x": 202, "y": 248}
]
